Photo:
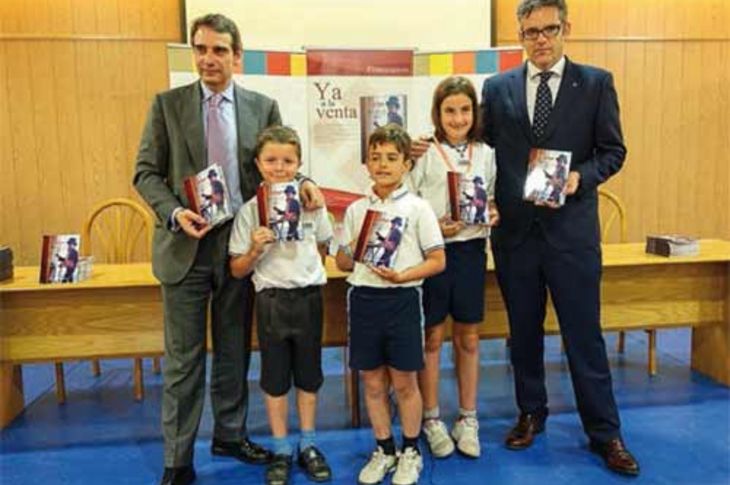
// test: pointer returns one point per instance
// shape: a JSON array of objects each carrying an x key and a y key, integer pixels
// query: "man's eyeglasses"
[{"x": 549, "y": 32}]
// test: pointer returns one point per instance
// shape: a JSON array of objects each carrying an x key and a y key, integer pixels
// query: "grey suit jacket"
[{"x": 173, "y": 148}]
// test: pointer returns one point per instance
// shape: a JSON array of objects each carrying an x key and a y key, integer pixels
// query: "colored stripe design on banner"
[
  {"x": 471, "y": 62},
  {"x": 366, "y": 63}
]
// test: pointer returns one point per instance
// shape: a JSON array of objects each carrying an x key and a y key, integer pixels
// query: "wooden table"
[{"x": 118, "y": 312}]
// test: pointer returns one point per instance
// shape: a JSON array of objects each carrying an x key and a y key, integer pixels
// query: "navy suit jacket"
[{"x": 584, "y": 121}]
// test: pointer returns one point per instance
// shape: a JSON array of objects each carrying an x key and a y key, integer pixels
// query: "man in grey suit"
[{"x": 210, "y": 121}]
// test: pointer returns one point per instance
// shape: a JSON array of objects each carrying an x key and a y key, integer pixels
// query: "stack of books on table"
[{"x": 672, "y": 245}]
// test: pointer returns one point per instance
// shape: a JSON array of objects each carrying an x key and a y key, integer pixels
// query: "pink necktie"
[{"x": 216, "y": 132}]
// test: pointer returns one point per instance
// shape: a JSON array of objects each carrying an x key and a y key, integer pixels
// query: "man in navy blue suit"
[{"x": 553, "y": 103}]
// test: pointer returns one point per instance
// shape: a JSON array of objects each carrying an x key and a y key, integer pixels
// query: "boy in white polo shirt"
[
  {"x": 384, "y": 304},
  {"x": 288, "y": 276}
]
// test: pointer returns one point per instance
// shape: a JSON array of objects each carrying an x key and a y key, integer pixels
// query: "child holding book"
[
  {"x": 384, "y": 304},
  {"x": 288, "y": 276},
  {"x": 458, "y": 291}
]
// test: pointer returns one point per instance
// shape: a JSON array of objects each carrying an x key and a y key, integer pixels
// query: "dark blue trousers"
[{"x": 525, "y": 274}]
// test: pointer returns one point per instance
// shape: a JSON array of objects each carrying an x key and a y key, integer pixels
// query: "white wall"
[{"x": 290, "y": 25}]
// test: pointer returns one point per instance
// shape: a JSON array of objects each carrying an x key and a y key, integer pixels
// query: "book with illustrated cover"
[
  {"x": 547, "y": 174},
  {"x": 377, "y": 111},
  {"x": 672, "y": 245},
  {"x": 6, "y": 263},
  {"x": 379, "y": 238},
  {"x": 467, "y": 198},
  {"x": 60, "y": 258},
  {"x": 280, "y": 210},
  {"x": 207, "y": 195}
]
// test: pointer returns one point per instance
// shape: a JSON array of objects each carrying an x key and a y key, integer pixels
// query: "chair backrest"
[
  {"x": 117, "y": 230},
  {"x": 611, "y": 210}
]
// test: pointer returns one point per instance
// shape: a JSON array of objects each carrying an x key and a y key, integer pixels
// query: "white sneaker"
[
  {"x": 438, "y": 438},
  {"x": 466, "y": 434},
  {"x": 377, "y": 467},
  {"x": 409, "y": 467}
]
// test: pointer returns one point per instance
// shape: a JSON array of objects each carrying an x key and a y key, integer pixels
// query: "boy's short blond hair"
[
  {"x": 279, "y": 134},
  {"x": 391, "y": 133}
]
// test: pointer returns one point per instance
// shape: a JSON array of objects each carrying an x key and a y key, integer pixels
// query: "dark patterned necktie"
[{"x": 543, "y": 105}]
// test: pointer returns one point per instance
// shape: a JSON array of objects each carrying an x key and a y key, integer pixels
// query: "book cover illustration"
[
  {"x": 547, "y": 174},
  {"x": 672, "y": 245},
  {"x": 280, "y": 210},
  {"x": 377, "y": 111},
  {"x": 207, "y": 194},
  {"x": 467, "y": 198},
  {"x": 379, "y": 239},
  {"x": 60, "y": 258},
  {"x": 6, "y": 263}
]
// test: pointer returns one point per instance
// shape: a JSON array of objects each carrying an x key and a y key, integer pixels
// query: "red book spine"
[
  {"x": 45, "y": 272},
  {"x": 190, "y": 184},
  {"x": 262, "y": 201},
  {"x": 371, "y": 216},
  {"x": 454, "y": 182}
]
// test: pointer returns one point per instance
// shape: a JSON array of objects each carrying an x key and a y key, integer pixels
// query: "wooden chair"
[
  {"x": 115, "y": 231},
  {"x": 612, "y": 210}
]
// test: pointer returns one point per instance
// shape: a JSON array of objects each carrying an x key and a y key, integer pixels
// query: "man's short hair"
[
  {"x": 222, "y": 25},
  {"x": 525, "y": 8},
  {"x": 282, "y": 135},
  {"x": 392, "y": 133}
]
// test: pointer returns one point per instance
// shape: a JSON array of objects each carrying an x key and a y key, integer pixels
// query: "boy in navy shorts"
[
  {"x": 384, "y": 304},
  {"x": 288, "y": 276}
]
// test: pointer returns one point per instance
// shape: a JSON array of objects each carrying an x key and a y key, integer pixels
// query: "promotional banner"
[
  {"x": 334, "y": 98},
  {"x": 350, "y": 93}
]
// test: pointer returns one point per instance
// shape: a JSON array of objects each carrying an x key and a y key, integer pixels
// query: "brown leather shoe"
[
  {"x": 523, "y": 434},
  {"x": 618, "y": 459}
]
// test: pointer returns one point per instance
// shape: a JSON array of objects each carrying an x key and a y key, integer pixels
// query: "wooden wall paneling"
[
  {"x": 633, "y": 16},
  {"x": 117, "y": 174},
  {"x": 505, "y": 22},
  {"x": 84, "y": 18},
  {"x": 93, "y": 154},
  {"x": 29, "y": 201},
  {"x": 131, "y": 18},
  {"x": 722, "y": 208},
  {"x": 51, "y": 173},
  {"x": 62, "y": 17},
  {"x": 709, "y": 191},
  {"x": 136, "y": 102},
  {"x": 691, "y": 160},
  {"x": 617, "y": 18},
  {"x": 669, "y": 157},
  {"x": 108, "y": 16},
  {"x": 652, "y": 139},
  {"x": 10, "y": 215},
  {"x": 638, "y": 159},
  {"x": 655, "y": 26},
  {"x": 162, "y": 19},
  {"x": 70, "y": 151}
]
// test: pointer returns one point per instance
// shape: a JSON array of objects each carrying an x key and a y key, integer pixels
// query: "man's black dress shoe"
[
  {"x": 523, "y": 434},
  {"x": 244, "y": 450},
  {"x": 278, "y": 471},
  {"x": 617, "y": 458},
  {"x": 313, "y": 462},
  {"x": 182, "y": 475}
]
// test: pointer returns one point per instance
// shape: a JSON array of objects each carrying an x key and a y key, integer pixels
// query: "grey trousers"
[{"x": 208, "y": 284}]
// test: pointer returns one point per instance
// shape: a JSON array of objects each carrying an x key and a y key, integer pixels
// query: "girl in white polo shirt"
[{"x": 458, "y": 291}]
